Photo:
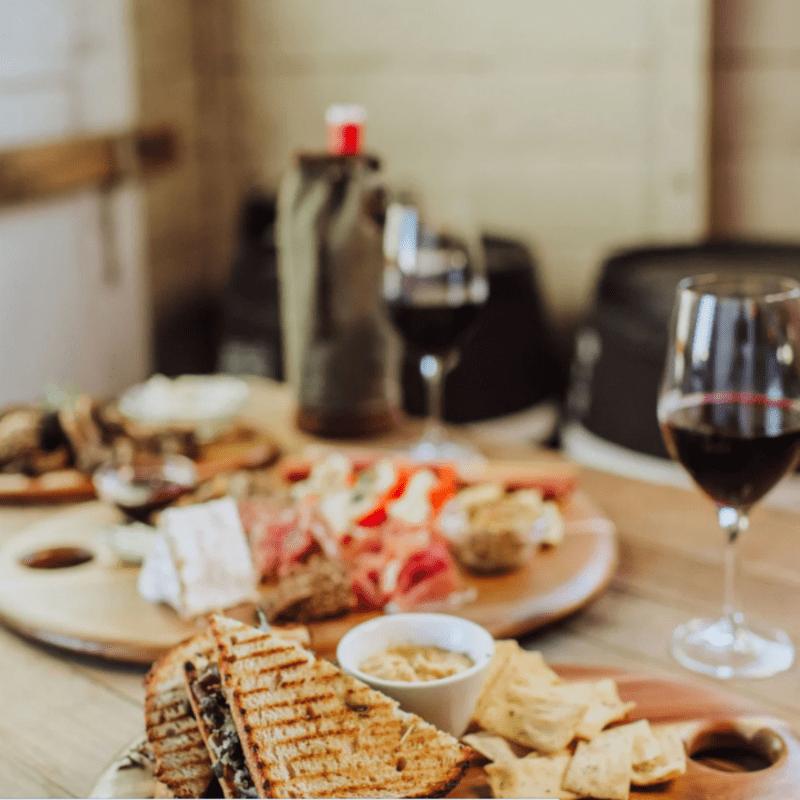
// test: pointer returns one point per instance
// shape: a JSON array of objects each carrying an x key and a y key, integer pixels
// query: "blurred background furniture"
[
  {"x": 621, "y": 344},
  {"x": 510, "y": 362}
]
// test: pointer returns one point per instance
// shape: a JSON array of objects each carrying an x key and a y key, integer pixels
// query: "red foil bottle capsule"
[{"x": 345, "y": 128}]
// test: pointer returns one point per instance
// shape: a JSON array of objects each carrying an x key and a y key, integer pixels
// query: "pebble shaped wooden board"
[
  {"x": 704, "y": 714},
  {"x": 94, "y": 607}
]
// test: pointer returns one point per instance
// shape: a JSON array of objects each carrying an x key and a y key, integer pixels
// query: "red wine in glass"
[
  {"x": 436, "y": 329},
  {"x": 729, "y": 411},
  {"x": 434, "y": 287},
  {"x": 735, "y": 445}
]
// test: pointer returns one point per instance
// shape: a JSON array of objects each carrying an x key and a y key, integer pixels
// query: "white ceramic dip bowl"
[{"x": 447, "y": 702}]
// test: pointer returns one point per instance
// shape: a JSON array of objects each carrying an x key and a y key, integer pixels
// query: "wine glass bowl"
[
  {"x": 729, "y": 411},
  {"x": 434, "y": 288}
]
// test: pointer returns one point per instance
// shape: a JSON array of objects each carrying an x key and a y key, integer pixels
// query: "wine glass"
[
  {"x": 729, "y": 411},
  {"x": 434, "y": 287}
]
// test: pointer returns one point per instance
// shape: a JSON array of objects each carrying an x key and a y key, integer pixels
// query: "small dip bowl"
[
  {"x": 447, "y": 702},
  {"x": 202, "y": 404}
]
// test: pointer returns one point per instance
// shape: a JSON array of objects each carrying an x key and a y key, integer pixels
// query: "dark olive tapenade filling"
[{"x": 228, "y": 762}]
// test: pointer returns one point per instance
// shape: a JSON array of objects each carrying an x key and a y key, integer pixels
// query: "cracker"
[
  {"x": 646, "y": 746},
  {"x": 668, "y": 764},
  {"x": 604, "y": 706},
  {"x": 532, "y": 777},
  {"x": 511, "y": 664},
  {"x": 600, "y": 700},
  {"x": 602, "y": 768},
  {"x": 542, "y": 723},
  {"x": 528, "y": 668},
  {"x": 494, "y": 747}
]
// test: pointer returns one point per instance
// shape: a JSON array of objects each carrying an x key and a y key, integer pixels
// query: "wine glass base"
[{"x": 716, "y": 647}]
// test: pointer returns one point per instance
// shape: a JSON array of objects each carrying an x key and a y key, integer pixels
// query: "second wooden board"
[{"x": 94, "y": 606}]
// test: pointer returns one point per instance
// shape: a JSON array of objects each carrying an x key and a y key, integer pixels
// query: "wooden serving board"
[
  {"x": 250, "y": 448},
  {"x": 707, "y": 716},
  {"x": 95, "y": 607}
]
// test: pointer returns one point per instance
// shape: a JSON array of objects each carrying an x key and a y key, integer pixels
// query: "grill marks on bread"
[
  {"x": 181, "y": 758},
  {"x": 308, "y": 730}
]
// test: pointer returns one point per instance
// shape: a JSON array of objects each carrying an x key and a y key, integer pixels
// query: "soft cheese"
[{"x": 200, "y": 561}]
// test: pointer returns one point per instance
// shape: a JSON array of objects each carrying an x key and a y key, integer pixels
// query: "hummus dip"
[{"x": 412, "y": 663}]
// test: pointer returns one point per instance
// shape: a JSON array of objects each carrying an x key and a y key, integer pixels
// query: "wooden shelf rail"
[{"x": 41, "y": 171}]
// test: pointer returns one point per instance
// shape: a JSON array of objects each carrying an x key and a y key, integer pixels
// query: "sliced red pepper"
[
  {"x": 445, "y": 487},
  {"x": 372, "y": 518},
  {"x": 377, "y": 514}
]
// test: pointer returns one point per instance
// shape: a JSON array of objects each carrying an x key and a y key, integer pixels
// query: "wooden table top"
[{"x": 64, "y": 717}]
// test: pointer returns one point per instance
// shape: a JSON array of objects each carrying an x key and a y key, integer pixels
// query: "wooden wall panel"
[
  {"x": 578, "y": 127},
  {"x": 756, "y": 119}
]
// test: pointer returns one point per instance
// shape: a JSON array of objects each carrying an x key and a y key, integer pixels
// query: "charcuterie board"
[
  {"x": 91, "y": 603},
  {"x": 736, "y": 750}
]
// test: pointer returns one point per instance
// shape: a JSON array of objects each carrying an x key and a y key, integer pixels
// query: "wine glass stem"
[
  {"x": 733, "y": 522},
  {"x": 432, "y": 369}
]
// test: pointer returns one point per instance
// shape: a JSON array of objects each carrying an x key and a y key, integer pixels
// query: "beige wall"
[
  {"x": 186, "y": 79},
  {"x": 577, "y": 126},
  {"x": 756, "y": 130},
  {"x": 73, "y": 308}
]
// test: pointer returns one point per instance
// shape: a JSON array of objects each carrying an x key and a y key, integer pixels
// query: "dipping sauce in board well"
[{"x": 412, "y": 663}]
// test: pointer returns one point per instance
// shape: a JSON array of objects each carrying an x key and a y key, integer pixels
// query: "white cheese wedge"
[
  {"x": 158, "y": 577},
  {"x": 200, "y": 561}
]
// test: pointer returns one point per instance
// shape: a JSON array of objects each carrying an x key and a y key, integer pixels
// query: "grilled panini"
[
  {"x": 308, "y": 730},
  {"x": 183, "y": 764}
]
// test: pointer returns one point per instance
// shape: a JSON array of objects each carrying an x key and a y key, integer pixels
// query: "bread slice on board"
[{"x": 182, "y": 761}]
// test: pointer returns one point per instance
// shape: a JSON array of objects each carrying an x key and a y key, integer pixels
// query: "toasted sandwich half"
[
  {"x": 182, "y": 762},
  {"x": 183, "y": 766},
  {"x": 305, "y": 729}
]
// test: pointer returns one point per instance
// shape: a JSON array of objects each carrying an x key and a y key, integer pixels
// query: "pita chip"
[
  {"x": 669, "y": 763},
  {"x": 493, "y": 747},
  {"x": 511, "y": 664},
  {"x": 601, "y": 768},
  {"x": 531, "y": 777},
  {"x": 544, "y": 724}
]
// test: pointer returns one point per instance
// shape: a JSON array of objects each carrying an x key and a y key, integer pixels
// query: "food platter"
[
  {"x": 94, "y": 607},
  {"x": 243, "y": 447},
  {"x": 725, "y": 737}
]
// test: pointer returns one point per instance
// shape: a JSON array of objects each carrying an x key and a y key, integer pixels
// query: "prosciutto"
[
  {"x": 282, "y": 536},
  {"x": 377, "y": 522},
  {"x": 401, "y": 566}
]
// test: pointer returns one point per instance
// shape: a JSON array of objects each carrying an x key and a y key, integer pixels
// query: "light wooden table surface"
[{"x": 64, "y": 717}]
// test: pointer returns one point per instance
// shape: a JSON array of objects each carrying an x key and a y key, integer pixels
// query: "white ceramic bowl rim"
[
  {"x": 186, "y": 398},
  {"x": 381, "y": 621}
]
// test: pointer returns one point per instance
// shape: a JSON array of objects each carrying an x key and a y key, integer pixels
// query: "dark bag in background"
[
  {"x": 621, "y": 346},
  {"x": 250, "y": 329},
  {"x": 510, "y": 361}
]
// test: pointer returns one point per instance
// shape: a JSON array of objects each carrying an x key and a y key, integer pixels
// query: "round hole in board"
[
  {"x": 725, "y": 749},
  {"x": 57, "y": 557}
]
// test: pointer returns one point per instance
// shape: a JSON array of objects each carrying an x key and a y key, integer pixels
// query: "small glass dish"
[
  {"x": 447, "y": 703},
  {"x": 146, "y": 484}
]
